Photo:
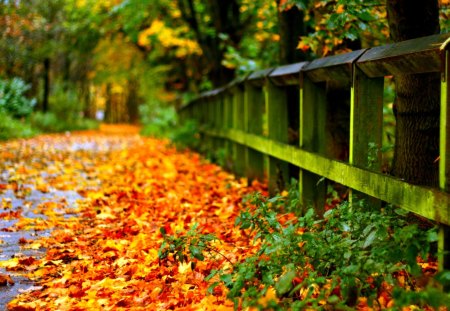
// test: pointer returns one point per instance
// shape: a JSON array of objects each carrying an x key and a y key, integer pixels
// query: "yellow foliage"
[
  {"x": 269, "y": 296},
  {"x": 117, "y": 89},
  {"x": 80, "y": 3},
  {"x": 169, "y": 38}
]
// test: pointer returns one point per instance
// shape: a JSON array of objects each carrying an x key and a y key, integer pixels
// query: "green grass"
[
  {"x": 50, "y": 123},
  {"x": 14, "y": 128}
]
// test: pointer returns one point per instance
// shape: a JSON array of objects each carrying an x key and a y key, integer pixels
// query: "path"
[{"x": 81, "y": 215}]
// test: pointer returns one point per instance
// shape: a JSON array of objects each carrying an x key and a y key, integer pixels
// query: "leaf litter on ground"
[
  {"x": 102, "y": 253},
  {"x": 132, "y": 193}
]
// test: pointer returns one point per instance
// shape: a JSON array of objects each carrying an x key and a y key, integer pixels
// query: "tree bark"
[
  {"x": 89, "y": 110},
  {"x": 416, "y": 105},
  {"x": 133, "y": 101},
  {"x": 108, "y": 105},
  {"x": 291, "y": 28},
  {"x": 225, "y": 19}
]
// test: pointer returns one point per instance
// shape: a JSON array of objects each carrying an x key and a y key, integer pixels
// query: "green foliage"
[
  {"x": 13, "y": 100},
  {"x": 50, "y": 122},
  {"x": 186, "y": 247},
  {"x": 158, "y": 121},
  {"x": 66, "y": 112},
  {"x": 186, "y": 135},
  {"x": 322, "y": 264},
  {"x": 13, "y": 128},
  {"x": 354, "y": 251},
  {"x": 218, "y": 155},
  {"x": 161, "y": 122},
  {"x": 64, "y": 102},
  {"x": 444, "y": 18}
]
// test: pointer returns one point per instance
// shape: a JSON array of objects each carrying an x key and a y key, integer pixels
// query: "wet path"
[
  {"x": 49, "y": 171},
  {"x": 83, "y": 217}
]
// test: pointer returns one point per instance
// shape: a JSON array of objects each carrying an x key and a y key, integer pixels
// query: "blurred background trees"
[{"x": 132, "y": 60}]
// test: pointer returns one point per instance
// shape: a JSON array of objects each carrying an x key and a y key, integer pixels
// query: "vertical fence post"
[
  {"x": 217, "y": 125},
  {"x": 312, "y": 131},
  {"x": 208, "y": 123},
  {"x": 201, "y": 119},
  {"x": 220, "y": 117},
  {"x": 228, "y": 124},
  {"x": 254, "y": 110},
  {"x": 277, "y": 125},
  {"x": 212, "y": 106},
  {"x": 238, "y": 124},
  {"x": 444, "y": 163},
  {"x": 366, "y": 124}
]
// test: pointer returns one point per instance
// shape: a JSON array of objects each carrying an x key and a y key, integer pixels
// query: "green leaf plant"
[{"x": 354, "y": 256}]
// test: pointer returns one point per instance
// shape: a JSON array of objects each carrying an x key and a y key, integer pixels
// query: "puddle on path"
[
  {"x": 10, "y": 246},
  {"x": 56, "y": 162}
]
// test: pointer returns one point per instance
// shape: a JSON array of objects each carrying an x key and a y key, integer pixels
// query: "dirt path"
[{"x": 80, "y": 219}]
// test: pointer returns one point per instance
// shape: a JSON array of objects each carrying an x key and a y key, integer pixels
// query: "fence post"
[
  {"x": 312, "y": 130},
  {"x": 366, "y": 124},
  {"x": 254, "y": 110},
  {"x": 444, "y": 163},
  {"x": 228, "y": 124},
  {"x": 220, "y": 117},
  {"x": 212, "y": 107},
  {"x": 200, "y": 111},
  {"x": 238, "y": 124},
  {"x": 277, "y": 125}
]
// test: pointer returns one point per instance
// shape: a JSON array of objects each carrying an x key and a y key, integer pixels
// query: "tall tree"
[
  {"x": 417, "y": 96},
  {"x": 291, "y": 24},
  {"x": 225, "y": 24}
]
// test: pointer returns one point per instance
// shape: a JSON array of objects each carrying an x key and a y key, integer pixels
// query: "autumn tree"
[{"x": 292, "y": 26}]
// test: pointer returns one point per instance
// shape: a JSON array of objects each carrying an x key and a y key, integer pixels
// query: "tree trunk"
[
  {"x": 291, "y": 28},
  {"x": 89, "y": 110},
  {"x": 133, "y": 101},
  {"x": 225, "y": 19},
  {"x": 46, "y": 93},
  {"x": 108, "y": 105},
  {"x": 417, "y": 99}
]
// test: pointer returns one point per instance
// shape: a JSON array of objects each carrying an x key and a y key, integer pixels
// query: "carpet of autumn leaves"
[{"x": 103, "y": 252}]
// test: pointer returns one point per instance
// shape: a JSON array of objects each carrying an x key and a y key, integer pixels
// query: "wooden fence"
[{"x": 276, "y": 121}]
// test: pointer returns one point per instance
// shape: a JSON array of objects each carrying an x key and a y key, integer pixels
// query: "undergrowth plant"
[
  {"x": 354, "y": 256},
  {"x": 13, "y": 100},
  {"x": 186, "y": 247},
  {"x": 13, "y": 128}
]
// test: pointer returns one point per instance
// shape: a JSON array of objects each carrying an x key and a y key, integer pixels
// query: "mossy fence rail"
[{"x": 253, "y": 119}]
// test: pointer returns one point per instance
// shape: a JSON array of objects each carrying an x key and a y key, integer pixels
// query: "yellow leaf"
[
  {"x": 184, "y": 267},
  {"x": 10, "y": 263},
  {"x": 105, "y": 216}
]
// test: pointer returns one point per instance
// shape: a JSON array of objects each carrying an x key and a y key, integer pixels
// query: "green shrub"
[
  {"x": 65, "y": 112},
  {"x": 50, "y": 122},
  {"x": 157, "y": 121},
  {"x": 353, "y": 252},
  {"x": 64, "y": 102},
  {"x": 13, "y": 128},
  {"x": 160, "y": 121},
  {"x": 186, "y": 135},
  {"x": 13, "y": 100}
]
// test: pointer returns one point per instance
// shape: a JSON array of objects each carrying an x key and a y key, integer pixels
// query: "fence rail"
[{"x": 277, "y": 121}]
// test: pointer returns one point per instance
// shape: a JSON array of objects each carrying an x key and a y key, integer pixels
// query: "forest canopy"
[{"x": 118, "y": 55}]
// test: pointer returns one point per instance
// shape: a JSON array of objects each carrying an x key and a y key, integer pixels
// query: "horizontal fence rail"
[{"x": 276, "y": 121}]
